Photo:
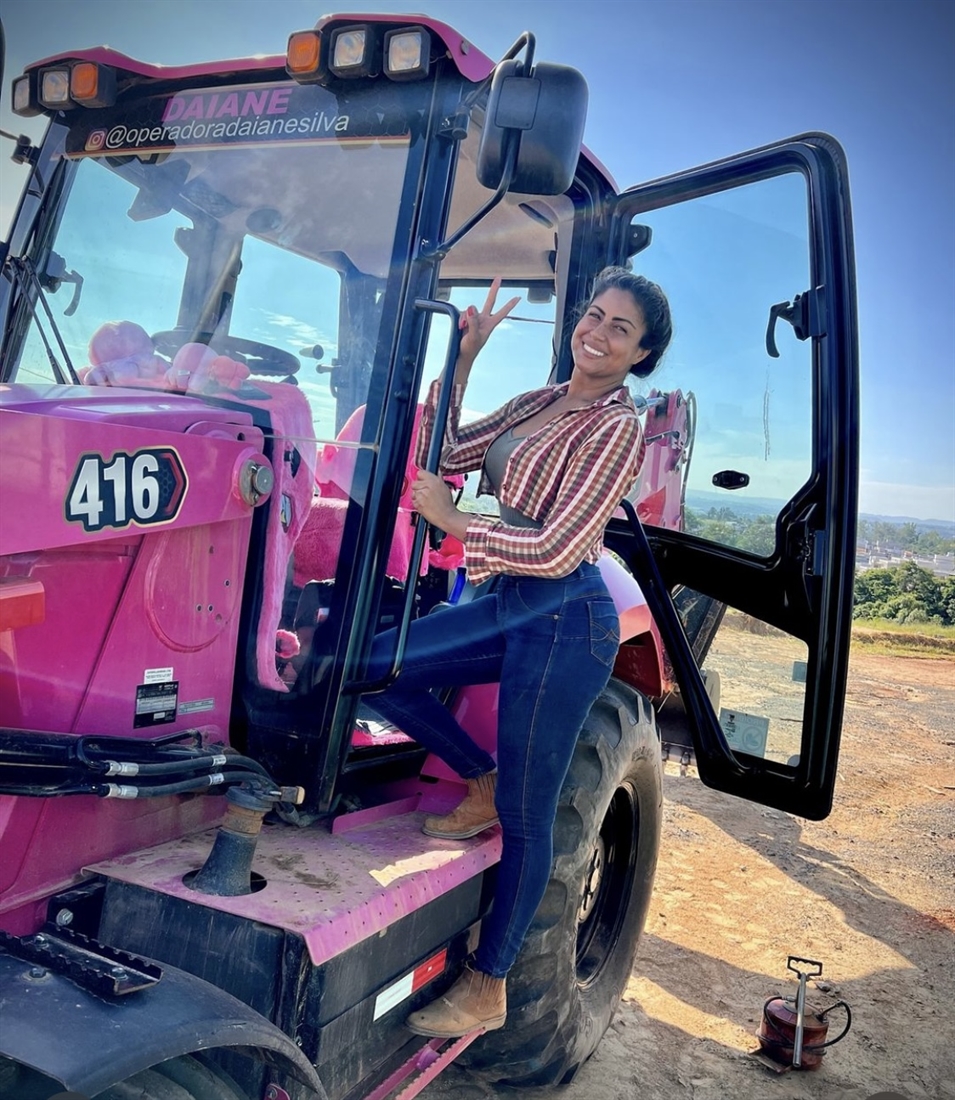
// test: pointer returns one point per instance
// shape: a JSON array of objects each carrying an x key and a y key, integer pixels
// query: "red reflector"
[{"x": 428, "y": 970}]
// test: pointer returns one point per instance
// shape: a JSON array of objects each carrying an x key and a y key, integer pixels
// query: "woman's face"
[{"x": 606, "y": 341}]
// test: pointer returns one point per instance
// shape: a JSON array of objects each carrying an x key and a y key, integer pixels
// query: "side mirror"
[{"x": 545, "y": 113}]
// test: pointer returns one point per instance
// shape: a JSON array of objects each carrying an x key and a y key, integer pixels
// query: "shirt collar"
[{"x": 618, "y": 396}]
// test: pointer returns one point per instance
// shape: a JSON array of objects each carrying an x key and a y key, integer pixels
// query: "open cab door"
[{"x": 755, "y": 255}]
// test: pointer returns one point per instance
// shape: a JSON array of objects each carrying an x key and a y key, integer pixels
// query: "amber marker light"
[
  {"x": 84, "y": 80},
  {"x": 92, "y": 85},
  {"x": 304, "y": 55}
]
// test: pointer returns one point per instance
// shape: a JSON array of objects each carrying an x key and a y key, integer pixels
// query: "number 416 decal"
[{"x": 142, "y": 488}]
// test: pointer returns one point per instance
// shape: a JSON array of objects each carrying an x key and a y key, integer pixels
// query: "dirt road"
[{"x": 870, "y": 892}]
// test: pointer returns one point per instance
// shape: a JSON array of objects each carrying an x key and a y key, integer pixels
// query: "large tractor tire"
[
  {"x": 189, "y": 1077},
  {"x": 567, "y": 982},
  {"x": 184, "y": 1078}
]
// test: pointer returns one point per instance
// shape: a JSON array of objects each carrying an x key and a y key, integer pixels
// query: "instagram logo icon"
[{"x": 96, "y": 141}]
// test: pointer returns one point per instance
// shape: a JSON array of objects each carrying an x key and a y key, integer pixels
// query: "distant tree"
[
  {"x": 874, "y": 588},
  {"x": 905, "y": 593},
  {"x": 906, "y": 608},
  {"x": 946, "y": 597},
  {"x": 759, "y": 536},
  {"x": 904, "y": 536},
  {"x": 692, "y": 521},
  {"x": 913, "y": 580},
  {"x": 885, "y": 534},
  {"x": 931, "y": 542},
  {"x": 908, "y": 536},
  {"x": 720, "y": 531},
  {"x": 723, "y": 515}
]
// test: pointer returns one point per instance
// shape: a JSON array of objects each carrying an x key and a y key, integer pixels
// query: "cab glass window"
[{"x": 724, "y": 260}]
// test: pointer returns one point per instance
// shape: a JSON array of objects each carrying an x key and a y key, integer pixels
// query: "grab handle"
[{"x": 425, "y": 305}]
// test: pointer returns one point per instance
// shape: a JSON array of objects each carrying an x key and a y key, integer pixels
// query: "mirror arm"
[
  {"x": 25, "y": 153},
  {"x": 712, "y": 751},
  {"x": 526, "y": 39},
  {"x": 436, "y": 253}
]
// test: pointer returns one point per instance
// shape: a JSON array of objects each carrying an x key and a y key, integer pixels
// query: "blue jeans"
[{"x": 551, "y": 644}]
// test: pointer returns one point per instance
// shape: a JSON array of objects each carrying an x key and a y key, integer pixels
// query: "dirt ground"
[{"x": 870, "y": 892}]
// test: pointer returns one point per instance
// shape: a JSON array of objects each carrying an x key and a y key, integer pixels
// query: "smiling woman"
[{"x": 559, "y": 460}]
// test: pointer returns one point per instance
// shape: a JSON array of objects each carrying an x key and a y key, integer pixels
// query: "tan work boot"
[
  {"x": 472, "y": 816},
  {"x": 475, "y": 1001}
]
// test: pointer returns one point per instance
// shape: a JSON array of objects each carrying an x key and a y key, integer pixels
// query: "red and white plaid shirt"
[{"x": 570, "y": 475}]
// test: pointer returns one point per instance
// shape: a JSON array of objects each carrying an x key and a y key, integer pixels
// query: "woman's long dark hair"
[{"x": 653, "y": 305}]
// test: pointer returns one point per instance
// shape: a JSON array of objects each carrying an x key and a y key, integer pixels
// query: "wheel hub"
[{"x": 592, "y": 880}]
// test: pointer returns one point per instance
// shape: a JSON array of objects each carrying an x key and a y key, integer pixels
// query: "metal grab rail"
[{"x": 425, "y": 305}]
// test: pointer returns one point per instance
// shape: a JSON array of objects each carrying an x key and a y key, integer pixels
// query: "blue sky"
[{"x": 674, "y": 83}]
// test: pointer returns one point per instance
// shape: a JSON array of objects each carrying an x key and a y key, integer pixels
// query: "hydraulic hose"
[{"x": 197, "y": 783}]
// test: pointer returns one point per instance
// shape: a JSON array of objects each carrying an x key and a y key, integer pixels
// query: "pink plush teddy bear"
[
  {"x": 122, "y": 354},
  {"x": 198, "y": 368}
]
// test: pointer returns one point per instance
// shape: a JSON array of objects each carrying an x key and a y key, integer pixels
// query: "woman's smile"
[{"x": 606, "y": 341}]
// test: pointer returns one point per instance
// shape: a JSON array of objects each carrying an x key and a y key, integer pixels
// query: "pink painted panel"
[
  {"x": 103, "y": 55},
  {"x": 47, "y": 841},
  {"x": 119, "y": 611},
  {"x": 659, "y": 493},
  {"x": 471, "y": 62},
  {"x": 45, "y": 451},
  {"x": 130, "y": 606},
  {"x": 334, "y": 891}
]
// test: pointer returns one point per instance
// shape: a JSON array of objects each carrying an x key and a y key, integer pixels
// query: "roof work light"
[
  {"x": 55, "y": 88},
  {"x": 25, "y": 100},
  {"x": 407, "y": 53},
  {"x": 358, "y": 50},
  {"x": 352, "y": 52},
  {"x": 61, "y": 87}
]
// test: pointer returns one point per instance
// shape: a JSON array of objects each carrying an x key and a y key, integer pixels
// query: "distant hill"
[
  {"x": 702, "y": 501},
  {"x": 945, "y": 527}
]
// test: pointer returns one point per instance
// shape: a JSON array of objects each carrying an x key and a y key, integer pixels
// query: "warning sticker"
[
  {"x": 195, "y": 706},
  {"x": 156, "y": 704}
]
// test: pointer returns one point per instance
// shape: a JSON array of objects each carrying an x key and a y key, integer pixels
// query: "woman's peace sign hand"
[{"x": 476, "y": 326}]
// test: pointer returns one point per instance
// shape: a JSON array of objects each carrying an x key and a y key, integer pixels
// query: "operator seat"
[{"x": 319, "y": 544}]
